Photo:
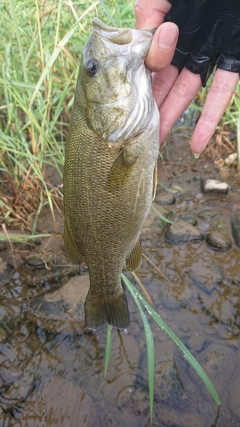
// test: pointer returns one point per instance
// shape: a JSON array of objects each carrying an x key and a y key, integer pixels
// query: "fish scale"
[{"x": 109, "y": 180}]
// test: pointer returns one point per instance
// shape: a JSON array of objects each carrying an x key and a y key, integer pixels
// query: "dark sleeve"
[{"x": 209, "y": 35}]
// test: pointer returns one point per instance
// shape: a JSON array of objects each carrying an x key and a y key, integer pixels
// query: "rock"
[
  {"x": 165, "y": 198},
  {"x": 59, "y": 403},
  {"x": 36, "y": 262},
  {"x": 63, "y": 304},
  {"x": 184, "y": 197},
  {"x": 218, "y": 241},
  {"x": 196, "y": 343},
  {"x": 208, "y": 214},
  {"x": 206, "y": 277},
  {"x": 231, "y": 159},
  {"x": 235, "y": 224},
  {"x": 170, "y": 302},
  {"x": 6, "y": 271},
  {"x": 168, "y": 382},
  {"x": 219, "y": 362},
  {"x": 212, "y": 186},
  {"x": 182, "y": 232},
  {"x": 156, "y": 219},
  {"x": 234, "y": 398},
  {"x": 189, "y": 218},
  {"x": 15, "y": 389}
]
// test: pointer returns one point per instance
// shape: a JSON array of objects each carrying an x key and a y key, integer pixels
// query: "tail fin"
[{"x": 113, "y": 311}]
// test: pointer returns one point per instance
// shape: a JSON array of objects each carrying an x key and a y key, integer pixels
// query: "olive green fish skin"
[{"x": 110, "y": 160}]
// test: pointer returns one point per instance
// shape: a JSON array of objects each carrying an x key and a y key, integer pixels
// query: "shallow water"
[{"x": 51, "y": 372}]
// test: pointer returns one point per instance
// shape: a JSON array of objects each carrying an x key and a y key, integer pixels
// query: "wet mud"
[{"x": 51, "y": 368}]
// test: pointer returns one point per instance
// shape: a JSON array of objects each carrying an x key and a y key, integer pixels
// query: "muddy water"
[{"x": 51, "y": 371}]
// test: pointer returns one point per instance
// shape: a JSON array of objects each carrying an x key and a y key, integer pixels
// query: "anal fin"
[
  {"x": 135, "y": 257},
  {"x": 113, "y": 311}
]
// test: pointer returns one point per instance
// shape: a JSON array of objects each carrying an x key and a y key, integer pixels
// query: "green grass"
[
  {"x": 40, "y": 51},
  {"x": 144, "y": 306}
]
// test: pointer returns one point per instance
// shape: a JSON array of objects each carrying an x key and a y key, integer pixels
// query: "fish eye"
[{"x": 91, "y": 67}]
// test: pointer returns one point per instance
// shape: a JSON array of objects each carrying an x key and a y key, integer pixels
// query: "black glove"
[{"x": 209, "y": 35}]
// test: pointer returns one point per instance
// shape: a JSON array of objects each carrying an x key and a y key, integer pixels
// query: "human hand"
[{"x": 173, "y": 92}]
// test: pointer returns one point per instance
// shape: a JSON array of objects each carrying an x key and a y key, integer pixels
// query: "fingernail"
[
  {"x": 196, "y": 155},
  {"x": 167, "y": 37}
]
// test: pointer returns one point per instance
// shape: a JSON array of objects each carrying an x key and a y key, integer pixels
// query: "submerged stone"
[
  {"x": 206, "y": 277},
  {"x": 6, "y": 272},
  {"x": 165, "y": 198},
  {"x": 208, "y": 214},
  {"x": 184, "y": 196},
  {"x": 188, "y": 217},
  {"x": 63, "y": 304},
  {"x": 182, "y": 232},
  {"x": 218, "y": 241},
  {"x": 235, "y": 224},
  {"x": 36, "y": 262},
  {"x": 168, "y": 382}
]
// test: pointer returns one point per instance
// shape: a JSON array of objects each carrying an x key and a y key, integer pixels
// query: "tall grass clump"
[{"x": 40, "y": 50}]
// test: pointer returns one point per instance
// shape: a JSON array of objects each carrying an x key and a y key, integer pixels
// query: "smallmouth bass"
[{"x": 110, "y": 166}]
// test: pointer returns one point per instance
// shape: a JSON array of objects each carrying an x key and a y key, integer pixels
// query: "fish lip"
[
  {"x": 98, "y": 23},
  {"x": 122, "y": 36}
]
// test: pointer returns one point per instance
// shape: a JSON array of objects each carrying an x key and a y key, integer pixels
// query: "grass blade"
[
  {"x": 161, "y": 216},
  {"x": 150, "y": 350},
  {"x": 107, "y": 351},
  {"x": 107, "y": 13},
  {"x": 189, "y": 357}
]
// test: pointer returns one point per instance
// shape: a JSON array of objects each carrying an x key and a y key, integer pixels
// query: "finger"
[
  {"x": 162, "y": 83},
  {"x": 183, "y": 91},
  {"x": 162, "y": 47},
  {"x": 218, "y": 98},
  {"x": 150, "y": 13}
]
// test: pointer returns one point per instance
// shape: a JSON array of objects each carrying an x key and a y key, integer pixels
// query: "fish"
[{"x": 110, "y": 170}]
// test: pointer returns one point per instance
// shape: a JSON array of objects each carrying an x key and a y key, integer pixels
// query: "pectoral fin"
[
  {"x": 135, "y": 257},
  {"x": 119, "y": 172},
  {"x": 71, "y": 248},
  {"x": 122, "y": 166}
]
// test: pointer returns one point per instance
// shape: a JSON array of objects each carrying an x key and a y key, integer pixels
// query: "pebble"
[
  {"x": 6, "y": 271},
  {"x": 206, "y": 277},
  {"x": 36, "y": 262},
  {"x": 168, "y": 382},
  {"x": 63, "y": 304},
  {"x": 208, "y": 214},
  {"x": 182, "y": 232},
  {"x": 185, "y": 196},
  {"x": 196, "y": 343},
  {"x": 218, "y": 241},
  {"x": 235, "y": 224},
  {"x": 212, "y": 186},
  {"x": 165, "y": 198},
  {"x": 234, "y": 400},
  {"x": 188, "y": 217}
]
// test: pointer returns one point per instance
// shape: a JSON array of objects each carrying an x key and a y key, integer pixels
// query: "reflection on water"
[{"x": 51, "y": 372}]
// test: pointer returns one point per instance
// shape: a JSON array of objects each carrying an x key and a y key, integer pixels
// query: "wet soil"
[{"x": 51, "y": 368}]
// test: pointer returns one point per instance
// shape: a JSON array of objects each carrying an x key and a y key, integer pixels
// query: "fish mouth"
[
  {"x": 113, "y": 34},
  {"x": 124, "y": 36}
]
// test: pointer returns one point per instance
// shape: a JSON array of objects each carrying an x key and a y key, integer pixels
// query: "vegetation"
[{"x": 40, "y": 52}]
